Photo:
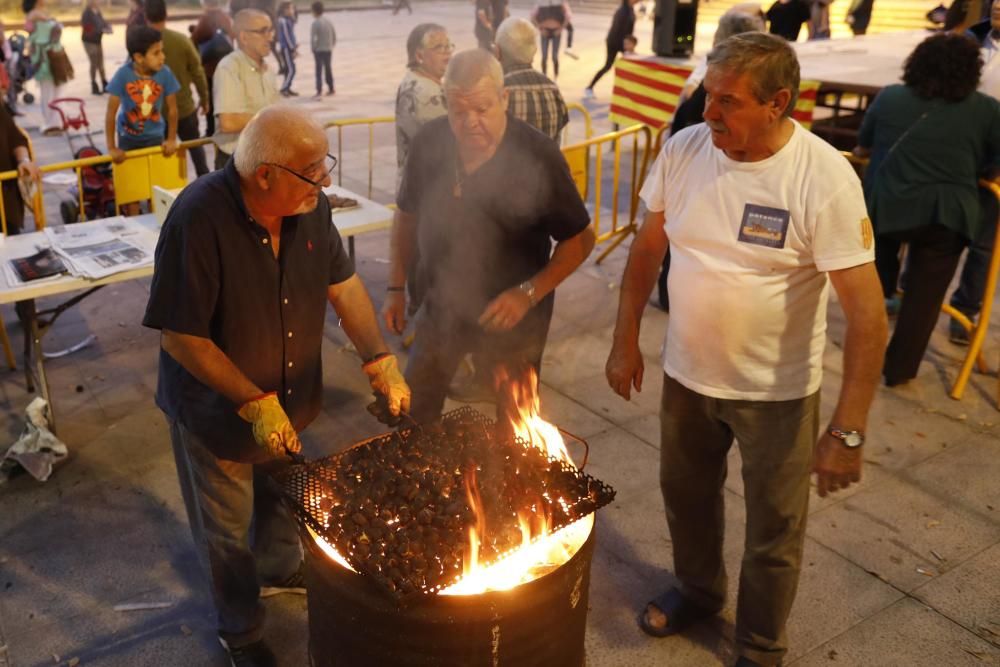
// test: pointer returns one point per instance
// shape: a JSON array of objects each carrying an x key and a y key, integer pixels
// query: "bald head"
[
  {"x": 281, "y": 135},
  {"x": 467, "y": 68}
]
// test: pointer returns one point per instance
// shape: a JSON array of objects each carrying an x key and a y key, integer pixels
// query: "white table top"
[
  {"x": 872, "y": 61},
  {"x": 23, "y": 245},
  {"x": 368, "y": 218}
]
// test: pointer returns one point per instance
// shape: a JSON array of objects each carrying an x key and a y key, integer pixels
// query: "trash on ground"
[{"x": 37, "y": 449}]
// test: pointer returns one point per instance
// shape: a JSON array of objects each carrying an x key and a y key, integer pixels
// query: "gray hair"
[
  {"x": 416, "y": 38},
  {"x": 768, "y": 59},
  {"x": 467, "y": 68},
  {"x": 736, "y": 21},
  {"x": 517, "y": 40},
  {"x": 244, "y": 18},
  {"x": 272, "y": 136}
]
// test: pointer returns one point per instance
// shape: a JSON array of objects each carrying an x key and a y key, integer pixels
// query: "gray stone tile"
[
  {"x": 892, "y": 529},
  {"x": 905, "y": 634},
  {"x": 567, "y": 413},
  {"x": 623, "y": 461},
  {"x": 968, "y": 594}
]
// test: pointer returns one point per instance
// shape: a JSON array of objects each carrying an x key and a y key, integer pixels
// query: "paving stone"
[
  {"x": 906, "y": 633},
  {"x": 968, "y": 594}
]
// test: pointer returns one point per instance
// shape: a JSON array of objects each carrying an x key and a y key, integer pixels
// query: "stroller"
[
  {"x": 18, "y": 69},
  {"x": 98, "y": 184}
]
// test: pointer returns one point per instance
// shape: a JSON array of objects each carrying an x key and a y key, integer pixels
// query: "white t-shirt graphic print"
[{"x": 750, "y": 246}]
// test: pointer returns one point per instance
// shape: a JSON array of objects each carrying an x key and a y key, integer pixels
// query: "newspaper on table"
[{"x": 103, "y": 247}]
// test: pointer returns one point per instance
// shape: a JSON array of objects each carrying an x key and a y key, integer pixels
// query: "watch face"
[{"x": 853, "y": 439}]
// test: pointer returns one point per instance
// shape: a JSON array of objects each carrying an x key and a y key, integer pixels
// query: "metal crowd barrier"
[
  {"x": 125, "y": 173},
  {"x": 579, "y": 155},
  {"x": 353, "y": 122}
]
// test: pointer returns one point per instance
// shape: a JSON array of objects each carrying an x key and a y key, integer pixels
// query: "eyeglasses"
[
  {"x": 269, "y": 30},
  {"x": 442, "y": 48},
  {"x": 329, "y": 164}
]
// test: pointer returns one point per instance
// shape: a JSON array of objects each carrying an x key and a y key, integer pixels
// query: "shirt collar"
[
  {"x": 250, "y": 63},
  {"x": 232, "y": 179},
  {"x": 515, "y": 67}
]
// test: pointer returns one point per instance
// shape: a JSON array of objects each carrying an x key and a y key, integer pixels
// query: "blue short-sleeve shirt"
[{"x": 141, "y": 117}]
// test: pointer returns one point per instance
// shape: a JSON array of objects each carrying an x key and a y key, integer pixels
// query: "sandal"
[{"x": 681, "y": 613}]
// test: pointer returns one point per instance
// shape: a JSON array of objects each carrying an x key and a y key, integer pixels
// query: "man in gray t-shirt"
[{"x": 242, "y": 83}]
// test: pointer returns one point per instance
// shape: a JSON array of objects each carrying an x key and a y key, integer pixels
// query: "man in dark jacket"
[{"x": 621, "y": 27}]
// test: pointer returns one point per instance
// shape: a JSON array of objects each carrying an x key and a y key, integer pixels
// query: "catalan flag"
[{"x": 646, "y": 91}]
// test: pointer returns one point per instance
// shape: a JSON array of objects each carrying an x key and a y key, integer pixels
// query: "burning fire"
[{"x": 541, "y": 549}]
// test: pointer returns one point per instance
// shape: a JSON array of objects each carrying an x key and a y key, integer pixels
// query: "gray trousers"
[
  {"x": 244, "y": 536},
  {"x": 776, "y": 440}
]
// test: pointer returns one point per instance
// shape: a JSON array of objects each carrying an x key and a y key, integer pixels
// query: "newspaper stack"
[{"x": 103, "y": 247}]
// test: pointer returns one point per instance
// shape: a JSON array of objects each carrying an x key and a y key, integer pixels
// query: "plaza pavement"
[{"x": 903, "y": 569}]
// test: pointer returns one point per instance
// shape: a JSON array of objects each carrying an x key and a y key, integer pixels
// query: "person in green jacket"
[
  {"x": 185, "y": 62},
  {"x": 929, "y": 140},
  {"x": 44, "y": 33}
]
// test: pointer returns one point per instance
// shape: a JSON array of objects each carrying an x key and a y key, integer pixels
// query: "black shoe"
[
  {"x": 294, "y": 585},
  {"x": 256, "y": 654},
  {"x": 94, "y": 90},
  {"x": 957, "y": 334}
]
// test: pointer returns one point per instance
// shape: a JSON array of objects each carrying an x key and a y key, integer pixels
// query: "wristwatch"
[
  {"x": 528, "y": 288},
  {"x": 851, "y": 439}
]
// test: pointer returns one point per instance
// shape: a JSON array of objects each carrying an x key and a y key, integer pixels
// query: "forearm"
[
  {"x": 401, "y": 245},
  {"x": 171, "y": 120},
  {"x": 864, "y": 350},
  {"x": 645, "y": 259},
  {"x": 21, "y": 154},
  {"x": 203, "y": 359},
  {"x": 110, "y": 131},
  {"x": 566, "y": 258},
  {"x": 357, "y": 316},
  {"x": 233, "y": 122}
]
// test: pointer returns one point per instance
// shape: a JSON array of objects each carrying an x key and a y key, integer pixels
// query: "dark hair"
[
  {"x": 416, "y": 40},
  {"x": 632, "y": 38},
  {"x": 139, "y": 39},
  {"x": 283, "y": 6},
  {"x": 317, "y": 7},
  {"x": 945, "y": 65},
  {"x": 156, "y": 11},
  {"x": 28, "y": 5}
]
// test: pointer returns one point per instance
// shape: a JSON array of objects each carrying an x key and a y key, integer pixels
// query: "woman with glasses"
[{"x": 419, "y": 98}]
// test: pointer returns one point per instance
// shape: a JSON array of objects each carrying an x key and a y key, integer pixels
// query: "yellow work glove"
[
  {"x": 271, "y": 428},
  {"x": 385, "y": 378}
]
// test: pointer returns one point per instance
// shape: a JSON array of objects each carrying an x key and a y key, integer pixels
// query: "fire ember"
[{"x": 456, "y": 507}]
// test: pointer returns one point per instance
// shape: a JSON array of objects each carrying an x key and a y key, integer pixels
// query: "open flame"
[{"x": 541, "y": 550}]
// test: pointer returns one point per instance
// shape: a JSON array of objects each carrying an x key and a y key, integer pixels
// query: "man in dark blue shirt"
[
  {"x": 484, "y": 195},
  {"x": 246, "y": 263}
]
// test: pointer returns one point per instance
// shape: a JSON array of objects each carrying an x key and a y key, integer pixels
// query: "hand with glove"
[
  {"x": 271, "y": 428},
  {"x": 388, "y": 383}
]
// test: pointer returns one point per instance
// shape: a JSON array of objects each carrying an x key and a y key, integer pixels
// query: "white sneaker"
[{"x": 588, "y": 93}]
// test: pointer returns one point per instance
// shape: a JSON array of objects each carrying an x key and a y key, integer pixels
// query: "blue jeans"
[
  {"x": 324, "y": 69},
  {"x": 968, "y": 298},
  {"x": 223, "y": 500},
  {"x": 550, "y": 37}
]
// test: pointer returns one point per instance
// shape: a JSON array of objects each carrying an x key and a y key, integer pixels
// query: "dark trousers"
[
  {"x": 931, "y": 260},
  {"x": 550, "y": 37},
  {"x": 223, "y": 500},
  {"x": 608, "y": 64},
  {"x": 95, "y": 54},
  {"x": 968, "y": 298},
  {"x": 210, "y": 116},
  {"x": 776, "y": 440},
  {"x": 400, "y": 4},
  {"x": 286, "y": 55},
  {"x": 187, "y": 129},
  {"x": 324, "y": 70},
  {"x": 439, "y": 347}
]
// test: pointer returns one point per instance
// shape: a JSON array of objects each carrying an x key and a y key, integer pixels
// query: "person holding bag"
[{"x": 51, "y": 66}]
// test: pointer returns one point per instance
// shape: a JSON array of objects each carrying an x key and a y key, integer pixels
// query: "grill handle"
[{"x": 586, "y": 446}]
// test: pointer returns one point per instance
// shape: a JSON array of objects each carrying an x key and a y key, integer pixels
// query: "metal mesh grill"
[{"x": 398, "y": 508}]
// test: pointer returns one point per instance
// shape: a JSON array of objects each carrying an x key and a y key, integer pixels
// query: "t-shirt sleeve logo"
[
  {"x": 867, "y": 233},
  {"x": 763, "y": 225},
  {"x": 144, "y": 94}
]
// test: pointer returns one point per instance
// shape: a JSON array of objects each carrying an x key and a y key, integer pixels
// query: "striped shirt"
[{"x": 536, "y": 100}]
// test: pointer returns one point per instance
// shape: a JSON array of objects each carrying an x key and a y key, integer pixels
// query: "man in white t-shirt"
[{"x": 761, "y": 217}]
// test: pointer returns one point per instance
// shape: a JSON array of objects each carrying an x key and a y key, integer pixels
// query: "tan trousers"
[{"x": 776, "y": 440}]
